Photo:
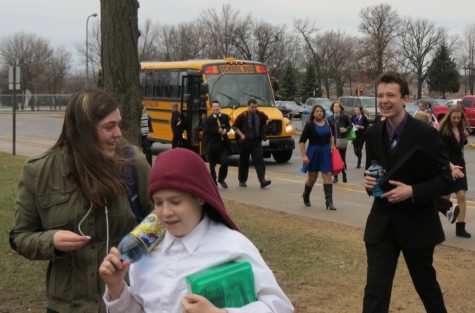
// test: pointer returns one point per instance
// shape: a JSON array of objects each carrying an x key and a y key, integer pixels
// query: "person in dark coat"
[
  {"x": 453, "y": 132},
  {"x": 177, "y": 126},
  {"x": 216, "y": 128},
  {"x": 404, "y": 219},
  {"x": 360, "y": 124},
  {"x": 340, "y": 125},
  {"x": 250, "y": 127}
]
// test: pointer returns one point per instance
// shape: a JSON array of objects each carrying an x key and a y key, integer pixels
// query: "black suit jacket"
[
  {"x": 214, "y": 141},
  {"x": 414, "y": 222}
]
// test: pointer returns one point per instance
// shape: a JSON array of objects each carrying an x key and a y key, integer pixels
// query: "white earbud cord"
[{"x": 107, "y": 225}]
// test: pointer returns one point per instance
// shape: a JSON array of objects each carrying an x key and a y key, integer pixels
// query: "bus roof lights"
[
  {"x": 213, "y": 69},
  {"x": 261, "y": 69}
]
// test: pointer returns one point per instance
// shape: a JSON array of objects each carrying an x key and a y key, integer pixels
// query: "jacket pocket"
[
  {"x": 53, "y": 209},
  {"x": 59, "y": 281}
]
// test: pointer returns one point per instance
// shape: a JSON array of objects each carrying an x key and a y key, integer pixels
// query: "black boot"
[
  {"x": 335, "y": 179},
  {"x": 306, "y": 195},
  {"x": 344, "y": 176},
  {"x": 328, "y": 189},
  {"x": 460, "y": 230}
]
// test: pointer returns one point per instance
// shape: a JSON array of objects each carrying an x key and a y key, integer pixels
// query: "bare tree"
[
  {"x": 182, "y": 42},
  {"x": 57, "y": 69},
  {"x": 333, "y": 56},
  {"x": 219, "y": 29},
  {"x": 308, "y": 31},
  {"x": 380, "y": 24},
  {"x": 120, "y": 62},
  {"x": 94, "y": 53},
  {"x": 468, "y": 58},
  {"x": 419, "y": 39},
  {"x": 28, "y": 51},
  {"x": 148, "y": 41}
]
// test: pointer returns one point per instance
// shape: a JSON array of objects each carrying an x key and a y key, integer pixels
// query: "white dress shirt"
[{"x": 158, "y": 284}]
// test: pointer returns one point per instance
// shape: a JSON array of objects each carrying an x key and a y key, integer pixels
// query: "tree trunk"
[{"x": 120, "y": 62}]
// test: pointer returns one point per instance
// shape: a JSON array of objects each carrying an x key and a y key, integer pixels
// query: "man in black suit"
[
  {"x": 216, "y": 129},
  {"x": 250, "y": 127},
  {"x": 404, "y": 219}
]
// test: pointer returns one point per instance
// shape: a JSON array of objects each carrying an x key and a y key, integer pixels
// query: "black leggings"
[{"x": 48, "y": 310}]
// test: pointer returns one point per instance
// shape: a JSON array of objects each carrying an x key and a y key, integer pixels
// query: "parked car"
[
  {"x": 437, "y": 106},
  {"x": 289, "y": 108},
  {"x": 412, "y": 108},
  {"x": 324, "y": 102},
  {"x": 368, "y": 104},
  {"x": 453, "y": 101},
  {"x": 468, "y": 103}
]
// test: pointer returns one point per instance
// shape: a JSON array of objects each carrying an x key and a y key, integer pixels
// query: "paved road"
[{"x": 36, "y": 132}]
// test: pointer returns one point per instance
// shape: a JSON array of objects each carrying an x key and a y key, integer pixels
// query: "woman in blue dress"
[{"x": 318, "y": 156}]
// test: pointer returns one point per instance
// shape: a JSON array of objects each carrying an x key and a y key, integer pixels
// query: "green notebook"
[{"x": 228, "y": 285}]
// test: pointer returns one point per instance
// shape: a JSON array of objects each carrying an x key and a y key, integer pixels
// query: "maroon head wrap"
[{"x": 184, "y": 170}]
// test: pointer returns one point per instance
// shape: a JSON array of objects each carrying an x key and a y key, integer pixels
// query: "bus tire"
[{"x": 282, "y": 156}]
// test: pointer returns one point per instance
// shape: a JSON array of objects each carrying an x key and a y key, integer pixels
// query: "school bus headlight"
[{"x": 289, "y": 128}]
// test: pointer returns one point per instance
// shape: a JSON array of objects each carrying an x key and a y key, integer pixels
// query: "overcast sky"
[{"x": 63, "y": 22}]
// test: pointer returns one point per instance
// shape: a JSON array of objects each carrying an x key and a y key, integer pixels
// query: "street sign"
[{"x": 14, "y": 77}]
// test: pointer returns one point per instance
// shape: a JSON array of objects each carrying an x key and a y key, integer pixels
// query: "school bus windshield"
[{"x": 229, "y": 89}]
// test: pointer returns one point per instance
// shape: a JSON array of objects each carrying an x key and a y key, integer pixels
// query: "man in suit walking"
[
  {"x": 216, "y": 129},
  {"x": 250, "y": 126},
  {"x": 404, "y": 219}
]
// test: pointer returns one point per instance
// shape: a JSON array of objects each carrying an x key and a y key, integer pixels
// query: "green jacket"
[{"x": 49, "y": 200}]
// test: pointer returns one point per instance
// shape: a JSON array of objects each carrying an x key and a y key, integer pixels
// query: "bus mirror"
[
  {"x": 204, "y": 88},
  {"x": 233, "y": 104}
]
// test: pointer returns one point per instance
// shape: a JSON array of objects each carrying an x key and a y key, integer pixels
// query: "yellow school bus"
[{"x": 193, "y": 84}]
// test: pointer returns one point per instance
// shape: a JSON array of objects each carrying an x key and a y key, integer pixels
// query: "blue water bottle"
[{"x": 377, "y": 171}]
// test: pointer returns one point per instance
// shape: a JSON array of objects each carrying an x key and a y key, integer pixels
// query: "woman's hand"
[
  {"x": 305, "y": 160},
  {"x": 343, "y": 130},
  {"x": 457, "y": 172},
  {"x": 65, "y": 240},
  {"x": 113, "y": 271},
  {"x": 197, "y": 304}
]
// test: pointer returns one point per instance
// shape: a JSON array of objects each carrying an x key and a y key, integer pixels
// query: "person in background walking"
[
  {"x": 405, "y": 219},
  {"x": 452, "y": 131},
  {"x": 250, "y": 126},
  {"x": 444, "y": 204},
  {"x": 72, "y": 202},
  {"x": 360, "y": 124},
  {"x": 146, "y": 131},
  {"x": 177, "y": 126},
  {"x": 340, "y": 124},
  {"x": 216, "y": 127},
  {"x": 318, "y": 157}
]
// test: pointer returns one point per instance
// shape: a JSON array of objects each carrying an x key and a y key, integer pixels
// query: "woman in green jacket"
[{"x": 73, "y": 205}]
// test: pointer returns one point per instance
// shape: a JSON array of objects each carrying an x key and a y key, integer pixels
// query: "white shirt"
[{"x": 157, "y": 281}]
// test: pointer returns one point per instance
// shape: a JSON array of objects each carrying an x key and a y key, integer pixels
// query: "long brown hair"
[
  {"x": 101, "y": 179},
  {"x": 445, "y": 126}
]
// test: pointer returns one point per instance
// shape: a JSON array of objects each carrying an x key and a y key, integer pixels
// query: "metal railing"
[{"x": 35, "y": 102}]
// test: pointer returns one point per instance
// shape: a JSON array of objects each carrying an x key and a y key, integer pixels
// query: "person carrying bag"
[{"x": 341, "y": 125}]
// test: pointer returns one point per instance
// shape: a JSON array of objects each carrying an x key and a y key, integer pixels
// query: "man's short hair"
[
  {"x": 215, "y": 101},
  {"x": 393, "y": 77},
  {"x": 251, "y": 101}
]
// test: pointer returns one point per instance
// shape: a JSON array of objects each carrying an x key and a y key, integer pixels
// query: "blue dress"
[{"x": 320, "y": 156}]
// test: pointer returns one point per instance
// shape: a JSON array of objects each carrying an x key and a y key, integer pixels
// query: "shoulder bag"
[{"x": 340, "y": 143}]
